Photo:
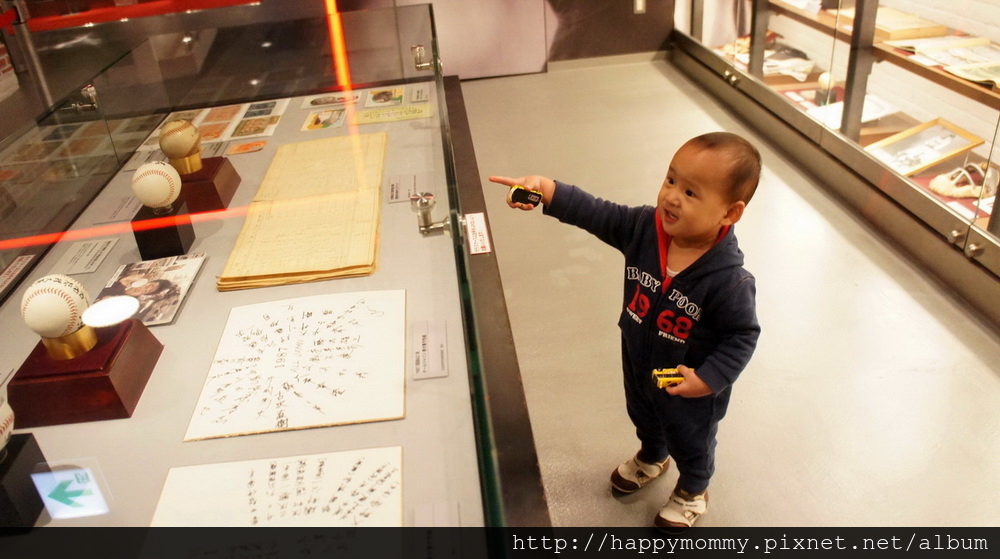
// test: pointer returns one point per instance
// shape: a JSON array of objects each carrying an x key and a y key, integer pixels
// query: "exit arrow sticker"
[{"x": 70, "y": 493}]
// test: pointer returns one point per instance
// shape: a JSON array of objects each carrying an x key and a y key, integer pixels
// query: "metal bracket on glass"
[
  {"x": 420, "y": 58},
  {"x": 972, "y": 250},
  {"x": 732, "y": 78},
  {"x": 89, "y": 102},
  {"x": 423, "y": 205}
]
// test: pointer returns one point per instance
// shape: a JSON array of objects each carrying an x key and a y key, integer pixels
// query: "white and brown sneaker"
[
  {"x": 681, "y": 511},
  {"x": 633, "y": 474}
]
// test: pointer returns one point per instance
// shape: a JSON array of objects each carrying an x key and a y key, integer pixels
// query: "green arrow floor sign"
[
  {"x": 70, "y": 491},
  {"x": 62, "y": 494}
]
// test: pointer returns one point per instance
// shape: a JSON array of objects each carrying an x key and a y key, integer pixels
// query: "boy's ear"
[{"x": 734, "y": 213}]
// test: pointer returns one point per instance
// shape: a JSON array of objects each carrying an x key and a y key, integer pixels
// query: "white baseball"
[
  {"x": 156, "y": 184},
  {"x": 6, "y": 418},
  {"x": 179, "y": 139},
  {"x": 53, "y": 306}
]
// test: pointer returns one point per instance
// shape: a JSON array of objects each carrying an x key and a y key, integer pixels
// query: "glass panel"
[
  {"x": 943, "y": 128},
  {"x": 50, "y": 169},
  {"x": 805, "y": 63},
  {"x": 724, "y": 27},
  {"x": 987, "y": 220},
  {"x": 188, "y": 66}
]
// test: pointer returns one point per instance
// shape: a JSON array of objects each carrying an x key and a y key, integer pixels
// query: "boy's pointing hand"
[{"x": 532, "y": 182}]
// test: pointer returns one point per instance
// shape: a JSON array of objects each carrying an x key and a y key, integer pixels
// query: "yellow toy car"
[{"x": 667, "y": 377}]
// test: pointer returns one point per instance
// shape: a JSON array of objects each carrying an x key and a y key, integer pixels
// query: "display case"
[
  {"x": 288, "y": 98},
  {"x": 893, "y": 105}
]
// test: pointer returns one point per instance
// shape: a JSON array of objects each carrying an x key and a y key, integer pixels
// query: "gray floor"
[{"x": 872, "y": 400}]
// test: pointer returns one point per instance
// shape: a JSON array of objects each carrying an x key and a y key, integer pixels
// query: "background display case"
[
  {"x": 894, "y": 105},
  {"x": 468, "y": 456}
]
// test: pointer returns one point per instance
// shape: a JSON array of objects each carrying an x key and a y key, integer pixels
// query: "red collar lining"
[{"x": 663, "y": 240}]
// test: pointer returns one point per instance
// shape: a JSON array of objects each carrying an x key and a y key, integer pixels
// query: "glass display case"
[
  {"x": 891, "y": 97},
  {"x": 287, "y": 98}
]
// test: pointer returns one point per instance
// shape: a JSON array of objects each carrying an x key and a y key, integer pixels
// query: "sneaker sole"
[{"x": 616, "y": 487}]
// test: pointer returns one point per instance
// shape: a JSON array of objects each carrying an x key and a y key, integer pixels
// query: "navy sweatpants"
[{"x": 681, "y": 428}]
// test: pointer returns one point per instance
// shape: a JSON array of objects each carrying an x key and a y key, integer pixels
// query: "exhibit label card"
[
  {"x": 13, "y": 269},
  {"x": 477, "y": 234},
  {"x": 124, "y": 209},
  {"x": 338, "y": 489},
  {"x": 420, "y": 93},
  {"x": 85, "y": 256},
  {"x": 307, "y": 362},
  {"x": 393, "y": 114},
  {"x": 401, "y": 187},
  {"x": 430, "y": 353}
]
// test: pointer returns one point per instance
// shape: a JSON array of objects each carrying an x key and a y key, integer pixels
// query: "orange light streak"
[
  {"x": 342, "y": 70},
  {"x": 121, "y": 228},
  {"x": 338, "y": 45}
]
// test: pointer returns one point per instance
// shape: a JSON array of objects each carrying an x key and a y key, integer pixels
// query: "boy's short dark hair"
[{"x": 744, "y": 172}]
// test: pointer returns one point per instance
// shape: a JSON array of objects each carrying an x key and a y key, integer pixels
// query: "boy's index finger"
[{"x": 506, "y": 181}]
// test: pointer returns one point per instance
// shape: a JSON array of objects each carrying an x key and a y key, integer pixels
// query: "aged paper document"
[{"x": 315, "y": 216}]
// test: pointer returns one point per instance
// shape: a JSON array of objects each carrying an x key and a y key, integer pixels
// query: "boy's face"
[{"x": 693, "y": 202}]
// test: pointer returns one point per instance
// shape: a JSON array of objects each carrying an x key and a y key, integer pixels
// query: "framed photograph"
[{"x": 923, "y": 146}]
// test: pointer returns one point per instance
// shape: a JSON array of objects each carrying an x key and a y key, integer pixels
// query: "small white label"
[
  {"x": 10, "y": 272},
  {"x": 430, "y": 350},
  {"x": 401, "y": 187},
  {"x": 477, "y": 234},
  {"x": 419, "y": 94},
  {"x": 124, "y": 209},
  {"x": 85, "y": 256}
]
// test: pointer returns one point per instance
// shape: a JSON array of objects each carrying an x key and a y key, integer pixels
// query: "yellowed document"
[{"x": 316, "y": 215}]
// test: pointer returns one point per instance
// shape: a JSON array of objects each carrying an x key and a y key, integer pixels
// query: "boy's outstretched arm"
[{"x": 535, "y": 182}]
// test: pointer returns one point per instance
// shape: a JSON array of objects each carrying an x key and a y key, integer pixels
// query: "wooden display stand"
[
  {"x": 104, "y": 383},
  {"x": 162, "y": 235},
  {"x": 210, "y": 188},
  {"x": 20, "y": 505}
]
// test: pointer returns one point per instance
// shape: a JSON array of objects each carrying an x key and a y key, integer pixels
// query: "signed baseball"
[
  {"x": 179, "y": 139},
  {"x": 156, "y": 184},
  {"x": 6, "y": 418},
  {"x": 53, "y": 306}
]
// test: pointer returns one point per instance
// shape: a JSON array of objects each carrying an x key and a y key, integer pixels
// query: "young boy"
[{"x": 688, "y": 304}]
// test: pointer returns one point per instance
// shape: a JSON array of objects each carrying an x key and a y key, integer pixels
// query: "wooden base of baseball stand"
[
  {"x": 103, "y": 383},
  {"x": 20, "y": 504},
  {"x": 211, "y": 187},
  {"x": 167, "y": 233}
]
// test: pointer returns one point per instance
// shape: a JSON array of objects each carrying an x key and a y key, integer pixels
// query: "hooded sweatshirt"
[{"x": 704, "y": 317}]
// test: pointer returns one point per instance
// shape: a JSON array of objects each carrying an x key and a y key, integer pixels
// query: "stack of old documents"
[{"x": 315, "y": 217}]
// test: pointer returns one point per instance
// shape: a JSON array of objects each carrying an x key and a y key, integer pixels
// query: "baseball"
[
  {"x": 156, "y": 184},
  {"x": 180, "y": 139},
  {"x": 6, "y": 418},
  {"x": 53, "y": 306}
]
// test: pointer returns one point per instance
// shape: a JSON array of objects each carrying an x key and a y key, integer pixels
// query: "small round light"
[{"x": 110, "y": 311}]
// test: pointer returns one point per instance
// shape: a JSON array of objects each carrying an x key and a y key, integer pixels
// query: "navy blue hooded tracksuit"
[{"x": 703, "y": 318}]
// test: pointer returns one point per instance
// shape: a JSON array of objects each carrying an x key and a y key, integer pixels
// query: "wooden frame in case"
[{"x": 923, "y": 146}]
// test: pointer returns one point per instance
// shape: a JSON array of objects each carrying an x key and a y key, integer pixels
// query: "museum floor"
[{"x": 873, "y": 398}]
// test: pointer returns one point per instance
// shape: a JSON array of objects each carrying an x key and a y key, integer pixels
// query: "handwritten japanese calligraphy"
[
  {"x": 305, "y": 362},
  {"x": 349, "y": 488}
]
